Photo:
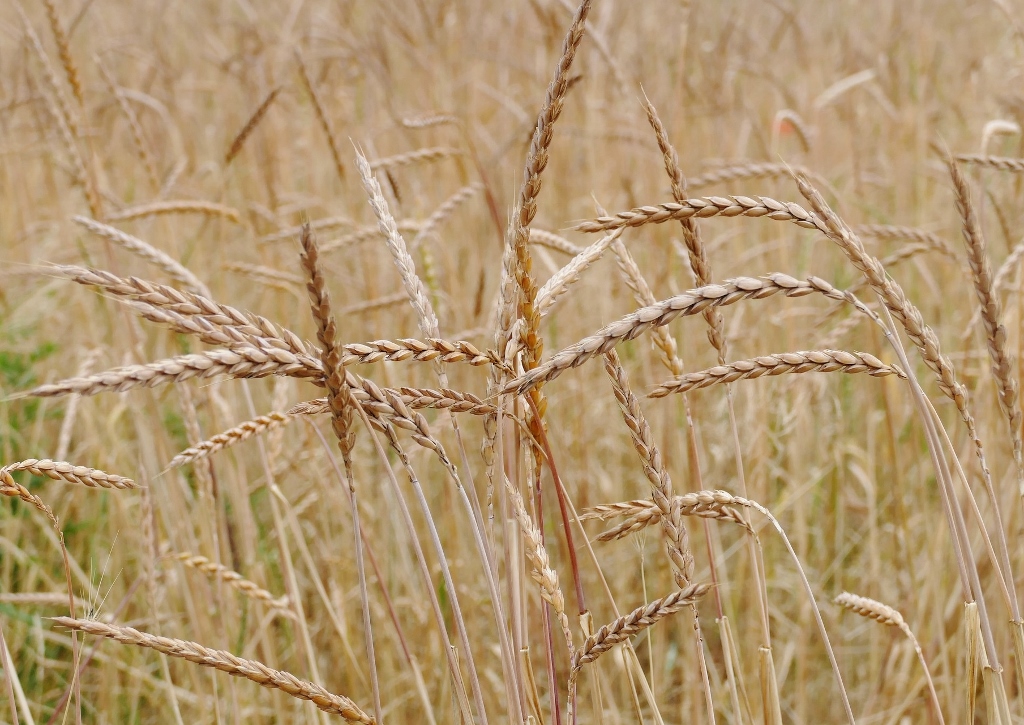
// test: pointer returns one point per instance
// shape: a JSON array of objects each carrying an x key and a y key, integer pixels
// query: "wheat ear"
[
  {"x": 62, "y": 471},
  {"x": 687, "y": 303},
  {"x": 321, "y": 115},
  {"x": 176, "y": 270},
  {"x": 885, "y": 614},
  {"x": 64, "y": 51},
  {"x": 419, "y": 156},
  {"x": 241, "y": 432},
  {"x": 825, "y": 361},
  {"x": 225, "y": 662},
  {"x": 250, "y": 126},
  {"x": 1001, "y": 163},
  {"x": 177, "y": 206},
  {"x": 234, "y": 580}
]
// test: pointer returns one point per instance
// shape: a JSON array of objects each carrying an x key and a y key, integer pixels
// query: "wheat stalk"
[
  {"x": 225, "y": 662},
  {"x": 911, "y": 234},
  {"x": 138, "y": 136},
  {"x": 825, "y": 361},
  {"x": 64, "y": 51},
  {"x": 316, "y": 225},
  {"x": 568, "y": 275},
  {"x": 443, "y": 212}
]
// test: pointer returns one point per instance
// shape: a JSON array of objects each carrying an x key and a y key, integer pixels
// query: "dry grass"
[{"x": 280, "y": 211}]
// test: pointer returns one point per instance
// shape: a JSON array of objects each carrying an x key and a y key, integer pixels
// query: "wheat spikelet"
[
  {"x": 430, "y": 120},
  {"x": 883, "y": 613},
  {"x": 138, "y": 137},
  {"x": 564, "y": 278},
  {"x": 1001, "y": 163},
  {"x": 419, "y": 156},
  {"x": 177, "y": 206},
  {"x": 266, "y": 275},
  {"x": 639, "y": 514},
  {"x": 677, "y": 540},
  {"x": 427, "y": 350},
  {"x": 737, "y": 172},
  {"x": 374, "y": 304},
  {"x": 334, "y": 377},
  {"x": 688, "y": 303},
  {"x": 317, "y": 225},
  {"x": 233, "y": 579},
  {"x": 1003, "y": 368},
  {"x": 825, "y": 361},
  {"x": 443, "y": 212},
  {"x": 56, "y": 599},
  {"x": 912, "y": 234},
  {"x": 414, "y": 287},
  {"x": 696, "y": 251},
  {"x": 635, "y": 622},
  {"x": 64, "y": 51},
  {"x": 542, "y": 573},
  {"x": 164, "y": 261},
  {"x": 241, "y": 432},
  {"x": 225, "y": 662},
  {"x": 415, "y": 398},
  {"x": 321, "y": 115},
  {"x": 250, "y": 126},
  {"x": 62, "y": 471},
  {"x": 704, "y": 207},
  {"x": 553, "y": 241},
  {"x": 365, "y": 234}
]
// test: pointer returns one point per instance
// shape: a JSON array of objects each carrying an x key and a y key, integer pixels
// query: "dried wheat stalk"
[
  {"x": 1003, "y": 368},
  {"x": 233, "y": 579},
  {"x": 825, "y": 361},
  {"x": 177, "y": 206},
  {"x": 1002, "y": 163},
  {"x": 415, "y": 350},
  {"x": 677, "y": 539},
  {"x": 687, "y": 303},
  {"x": 241, "y": 432},
  {"x": 56, "y": 599},
  {"x": 321, "y": 115},
  {"x": 225, "y": 662},
  {"x": 250, "y": 126},
  {"x": 176, "y": 270},
  {"x": 419, "y": 156},
  {"x": 62, "y": 471}
]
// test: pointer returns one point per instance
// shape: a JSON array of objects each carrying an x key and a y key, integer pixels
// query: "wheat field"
[{"x": 532, "y": 362}]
